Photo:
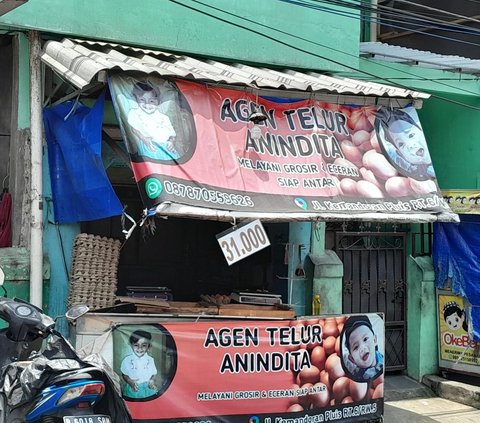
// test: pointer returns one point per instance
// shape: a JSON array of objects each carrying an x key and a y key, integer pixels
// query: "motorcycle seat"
[{"x": 69, "y": 376}]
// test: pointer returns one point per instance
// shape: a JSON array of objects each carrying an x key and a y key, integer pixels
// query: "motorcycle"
[{"x": 42, "y": 378}]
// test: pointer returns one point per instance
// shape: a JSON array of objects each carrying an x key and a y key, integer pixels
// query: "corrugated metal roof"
[
  {"x": 427, "y": 59},
  {"x": 81, "y": 61}
]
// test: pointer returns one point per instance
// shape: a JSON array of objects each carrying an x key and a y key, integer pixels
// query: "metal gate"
[{"x": 374, "y": 280}]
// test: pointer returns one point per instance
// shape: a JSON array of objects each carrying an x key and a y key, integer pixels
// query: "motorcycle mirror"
[{"x": 76, "y": 311}]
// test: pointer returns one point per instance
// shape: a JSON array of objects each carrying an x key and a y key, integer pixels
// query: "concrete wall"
[
  {"x": 422, "y": 341},
  {"x": 239, "y": 30}
]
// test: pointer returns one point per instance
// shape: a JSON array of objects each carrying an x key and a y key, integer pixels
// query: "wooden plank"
[
  {"x": 248, "y": 310},
  {"x": 158, "y": 302},
  {"x": 179, "y": 307}
]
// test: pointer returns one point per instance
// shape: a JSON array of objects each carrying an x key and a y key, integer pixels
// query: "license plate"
[{"x": 90, "y": 418}]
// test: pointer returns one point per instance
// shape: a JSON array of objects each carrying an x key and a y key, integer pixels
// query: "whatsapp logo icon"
[{"x": 153, "y": 187}]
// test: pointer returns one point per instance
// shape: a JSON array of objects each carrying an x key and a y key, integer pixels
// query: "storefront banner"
[
  {"x": 463, "y": 201},
  {"x": 456, "y": 346},
  {"x": 315, "y": 370},
  {"x": 195, "y": 144}
]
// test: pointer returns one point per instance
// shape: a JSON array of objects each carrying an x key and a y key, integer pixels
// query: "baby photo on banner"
[
  {"x": 145, "y": 359},
  {"x": 155, "y": 118}
]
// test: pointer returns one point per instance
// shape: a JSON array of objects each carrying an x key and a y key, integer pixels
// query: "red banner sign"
[
  {"x": 314, "y": 370},
  {"x": 199, "y": 145}
]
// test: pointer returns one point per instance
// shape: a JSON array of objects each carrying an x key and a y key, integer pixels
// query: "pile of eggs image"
[
  {"x": 362, "y": 152},
  {"x": 326, "y": 376}
]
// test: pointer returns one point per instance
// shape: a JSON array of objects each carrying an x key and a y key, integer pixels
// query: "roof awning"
[
  {"x": 427, "y": 59},
  {"x": 84, "y": 62},
  {"x": 181, "y": 210},
  {"x": 236, "y": 162}
]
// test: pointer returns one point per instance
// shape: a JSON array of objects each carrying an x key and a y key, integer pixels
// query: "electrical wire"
[
  {"x": 378, "y": 20},
  {"x": 432, "y": 24},
  {"x": 360, "y": 4},
  {"x": 418, "y": 77},
  {"x": 400, "y": 14}
]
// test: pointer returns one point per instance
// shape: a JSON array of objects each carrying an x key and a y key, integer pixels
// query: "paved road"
[{"x": 429, "y": 410}]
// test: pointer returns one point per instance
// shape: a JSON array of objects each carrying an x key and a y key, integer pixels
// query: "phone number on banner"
[{"x": 208, "y": 195}]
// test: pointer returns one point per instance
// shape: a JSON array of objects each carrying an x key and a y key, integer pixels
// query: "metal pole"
[
  {"x": 374, "y": 21},
  {"x": 36, "y": 192}
]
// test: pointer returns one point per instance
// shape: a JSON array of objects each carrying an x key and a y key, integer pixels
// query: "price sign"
[{"x": 242, "y": 241}]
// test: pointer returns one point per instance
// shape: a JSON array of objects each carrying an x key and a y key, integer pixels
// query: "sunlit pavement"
[{"x": 424, "y": 410}]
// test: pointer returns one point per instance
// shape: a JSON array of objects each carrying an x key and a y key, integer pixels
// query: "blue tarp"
[
  {"x": 456, "y": 258},
  {"x": 81, "y": 189}
]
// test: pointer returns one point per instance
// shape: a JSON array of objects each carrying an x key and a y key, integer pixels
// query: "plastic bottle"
[{"x": 316, "y": 305}]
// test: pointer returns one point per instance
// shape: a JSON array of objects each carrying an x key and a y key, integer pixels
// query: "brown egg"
[
  {"x": 378, "y": 392},
  {"x": 340, "y": 319},
  {"x": 352, "y": 153},
  {"x": 366, "y": 146},
  {"x": 334, "y": 367},
  {"x": 312, "y": 321},
  {"x": 379, "y": 165},
  {"x": 330, "y": 328},
  {"x": 318, "y": 357},
  {"x": 374, "y": 142},
  {"x": 368, "y": 175},
  {"x": 358, "y": 391},
  {"x": 423, "y": 187},
  {"x": 295, "y": 408},
  {"x": 377, "y": 381},
  {"x": 349, "y": 187},
  {"x": 293, "y": 400},
  {"x": 329, "y": 345},
  {"x": 337, "y": 345},
  {"x": 325, "y": 379},
  {"x": 347, "y": 400},
  {"x": 369, "y": 190},
  {"x": 398, "y": 186},
  {"x": 368, "y": 154},
  {"x": 304, "y": 400},
  {"x": 340, "y": 327},
  {"x": 359, "y": 119},
  {"x": 359, "y": 137},
  {"x": 320, "y": 399},
  {"x": 309, "y": 375},
  {"x": 341, "y": 388},
  {"x": 370, "y": 393}
]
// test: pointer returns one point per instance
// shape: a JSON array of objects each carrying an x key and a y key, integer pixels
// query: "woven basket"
[{"x": 93, "y": 274}]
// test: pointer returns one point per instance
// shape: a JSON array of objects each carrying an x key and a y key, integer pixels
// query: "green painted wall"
[
  {"x": 267, "y": 31},
  {"x": 453, "y": 136},
  {"x": 23, "y": 83},
  {"x": 15, "y": 263}
]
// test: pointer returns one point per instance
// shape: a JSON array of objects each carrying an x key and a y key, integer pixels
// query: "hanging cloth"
[
  {"x": 6, "y": 219},
  {"x": 456, "y": 259},
  {"x": 81, "y": 189}
]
